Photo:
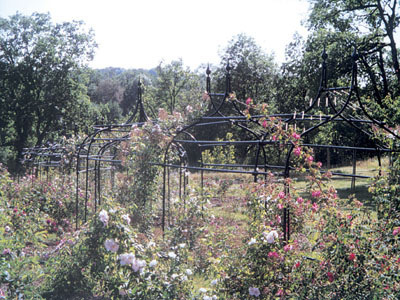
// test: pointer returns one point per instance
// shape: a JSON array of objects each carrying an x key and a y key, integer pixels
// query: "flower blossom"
[
  {"x": 153, "y": 263},
  {"x": 214, "y": 282},
  {"x": 330, "y": 276},
  {"x": 188, "y": 272},
  {"x": 111, "y": 245},
  {"x": 315, "y": 207},
  {"x": 172, "y": 255},
  {"x": 271, "y": 236},
  {"x": 300, "y": 200},
  {"x": 296, "y": 136},
  {"x": 316, "y": 193},
  {"x": 352, "y": 256},
  {"x": 138, "y": 264},
  {"x": 297, "y": 151},
  {"x": 248, "y": 101},
  {"x": 288, "y": 247},
  {"x": 126, "y": 218},
  {"x": 264, "y": 124},
  {"x": 253, "y": 291},
  {"x": 252, "y": 241},
  {"x": 396, "y": 231},
  {"x": 281, "y": 195},
  {"x": 126, "y": 259},
  {"x": 310, "y": 159},
  {"x": 103, "y": 216},
  {"x": 273, "y": 254}
]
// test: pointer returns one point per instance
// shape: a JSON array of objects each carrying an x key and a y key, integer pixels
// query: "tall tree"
[
  {"x": 372, "y": 25},
  {"x": 176, "y": 86},
  {"x": 253, "y": 71},
  {"x": 42, "y": 80}
]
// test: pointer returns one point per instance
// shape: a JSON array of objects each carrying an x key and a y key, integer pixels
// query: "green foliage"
[
  {"x": 253, "y": 71},
  {"x": 175, "y": 87},
  {"x": 107, "y": 259},
  {"x": 43, "y": 80},
  {"x": 220, "y": 154}
]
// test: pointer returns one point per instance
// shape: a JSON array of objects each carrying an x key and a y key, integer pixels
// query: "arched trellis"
[
  {"x": 259, "y": 139},
  {"x": 97, "y": 154}
]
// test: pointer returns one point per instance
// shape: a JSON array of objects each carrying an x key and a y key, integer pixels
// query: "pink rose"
[
  {"x": 352, "y": 256},
  {"x": 330, "y": 276},
  {"x": 297, "y": 151},
  {"x": 264, "y": 124},
  {"x": 316, "y": 194}
]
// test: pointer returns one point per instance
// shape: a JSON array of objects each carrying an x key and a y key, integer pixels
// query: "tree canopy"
[{"x": 43, "y": 83}]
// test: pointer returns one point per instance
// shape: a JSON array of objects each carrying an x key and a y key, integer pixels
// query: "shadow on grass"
[{"x": 360, "y": 192}]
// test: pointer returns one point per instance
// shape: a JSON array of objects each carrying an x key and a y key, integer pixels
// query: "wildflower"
[
  {"x": 252, "y": 241},
  {"x": 138, "y": 265},
  {"x": 248, "y": 101},
  {"x": 126, "y": 259},
  {"x": 288, "y": 247},
  {"x": 278, "y": 219},
  {"x": 280, "y": 206},
  {"x": 172, "y": 255},
  {"x": 316, "y": 194},
  {"x": 352, "y": 256},
  {"x": 202, "y": 290},
  {"x": 183, "y": 245},
  {"x": 153, "y": 263},
  {"x": 319, "y": 164},
  {"x": 7, "y": 228},
  {"x": 296, "y": 136},
  {"x": 300, "y": 200},
  {"x": 214, "y": 282},
  {"x": 188, "y": 272},
  {"x": 103, "y": 216},
  {"x": 396, "y": 231},
  {"x": 274, "y": 138},
  {"x": 330, "y": 276},
  {"x": 253, "y": 291},
  {"x": 296, "y": 265},
  {"x": 264, "y": 124},
  {"x": 310, "y": 159},
  {"x": 111, "y": 245},
  {"x": 6, "y": 251},
  {"x": 315, "y": 207},
  {"x": 126, "y": 218},
  {"x": 273, "y": 254},
  {"x": 271, "y": 236},
  {"x": 189, "y": 109},
  {"x": 280, "y": 292},
  {"x": 281, "y": 195},
  {"x": 297, "y": 151}
]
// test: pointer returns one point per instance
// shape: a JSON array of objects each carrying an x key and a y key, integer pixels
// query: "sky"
[{"x": 142, "y": 33}]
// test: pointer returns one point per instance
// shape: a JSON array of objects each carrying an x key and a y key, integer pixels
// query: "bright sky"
[{"x": 142, "y": 33}]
